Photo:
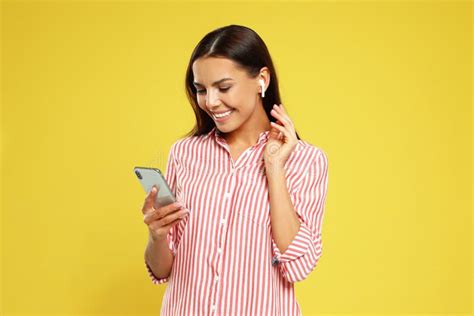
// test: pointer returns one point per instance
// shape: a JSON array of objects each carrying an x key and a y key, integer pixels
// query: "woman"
[{"x": 251, "y": 192}]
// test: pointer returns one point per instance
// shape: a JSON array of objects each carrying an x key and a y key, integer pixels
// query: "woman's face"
[{"x": 239, "y": 94}]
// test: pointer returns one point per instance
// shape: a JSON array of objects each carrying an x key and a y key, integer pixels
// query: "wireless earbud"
[{"x": 263, "y": 87}]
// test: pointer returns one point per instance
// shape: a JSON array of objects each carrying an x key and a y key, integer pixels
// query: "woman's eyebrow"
[{"x": 215, "y": 83}]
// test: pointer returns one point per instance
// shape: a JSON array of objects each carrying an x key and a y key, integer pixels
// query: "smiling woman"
[
  {"x": 255, "y": 199},
  {"x": 226, "y": 74}
]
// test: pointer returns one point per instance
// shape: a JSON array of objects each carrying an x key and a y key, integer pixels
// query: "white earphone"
[{"x": 263, "y": 87}]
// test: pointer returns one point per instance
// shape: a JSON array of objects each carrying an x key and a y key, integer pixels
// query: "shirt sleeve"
[
  {"x": 175, "y": 231},
  {"x": 309, "y": 198}
]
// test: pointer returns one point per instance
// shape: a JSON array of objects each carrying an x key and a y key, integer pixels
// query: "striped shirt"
[{"x": 226, "y": 260}]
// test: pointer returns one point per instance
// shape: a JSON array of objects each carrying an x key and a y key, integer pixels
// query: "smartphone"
[{"x": 150, "y": 177}]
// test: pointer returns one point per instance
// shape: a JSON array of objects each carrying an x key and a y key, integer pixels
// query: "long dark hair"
[{"x": 244, "y": 47}]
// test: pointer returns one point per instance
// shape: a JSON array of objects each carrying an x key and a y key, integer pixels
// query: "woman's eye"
[{"x": 203, "y": 91}]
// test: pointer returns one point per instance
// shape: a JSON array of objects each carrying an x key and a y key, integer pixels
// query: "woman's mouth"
[{"x": 222, "y": 117}]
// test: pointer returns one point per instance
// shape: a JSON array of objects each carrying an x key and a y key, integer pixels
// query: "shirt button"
[
  {"x": 227, "y": 195},
  {"x": 275, "y": 261},
  {"x": 223, "y": 221},
  {"x": 217, "y": 278},
  {"x": 219, "y": 250},
  {"x": 213, "y": 307}
]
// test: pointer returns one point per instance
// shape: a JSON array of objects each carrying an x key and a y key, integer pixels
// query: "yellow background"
[{"x": 91, "y": 89}]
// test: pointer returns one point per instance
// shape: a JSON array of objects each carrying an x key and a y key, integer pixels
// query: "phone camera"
[{"x": 138, "y": 174}]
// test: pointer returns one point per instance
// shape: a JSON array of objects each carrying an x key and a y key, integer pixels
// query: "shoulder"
[
  {"x": 306, "y": 162},
  {"x": 310, "y": 155},
  {"x": 187, "y": 144},
  {"x": 309, "y": 163}
]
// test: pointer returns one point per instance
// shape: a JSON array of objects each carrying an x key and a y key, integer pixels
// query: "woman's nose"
[{"x": 212, "y": 98}]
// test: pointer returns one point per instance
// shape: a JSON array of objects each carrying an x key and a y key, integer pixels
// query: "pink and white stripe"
[{"x": 226, "y": 261}]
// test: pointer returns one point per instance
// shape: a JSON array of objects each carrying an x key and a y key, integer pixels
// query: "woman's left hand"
[{"x": 282, "y": 139}]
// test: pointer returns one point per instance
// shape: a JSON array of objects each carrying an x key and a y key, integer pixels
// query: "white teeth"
[{"x": 223, "y": 114}]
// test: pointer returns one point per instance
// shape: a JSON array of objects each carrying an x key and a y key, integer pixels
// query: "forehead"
[{"x": 207, "y": 70}]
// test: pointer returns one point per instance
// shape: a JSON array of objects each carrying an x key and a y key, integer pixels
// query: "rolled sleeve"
[
  {"x": 173, "y": 235},
  {"x": 155, "y": 279},
  {"x": 309, "y": 198}
]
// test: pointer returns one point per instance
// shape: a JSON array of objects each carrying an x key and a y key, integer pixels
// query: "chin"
[{"x": 225, "y": 129}]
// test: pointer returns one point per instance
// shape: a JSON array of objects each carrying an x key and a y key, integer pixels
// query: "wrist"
[
  {"x": 274, "y": 169},
  {"x": 156, "y": 240}
]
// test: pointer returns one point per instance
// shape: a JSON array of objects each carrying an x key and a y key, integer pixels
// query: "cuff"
[
  {"x": 298, "y": 246},
  {"x": 153, "y": 277}
]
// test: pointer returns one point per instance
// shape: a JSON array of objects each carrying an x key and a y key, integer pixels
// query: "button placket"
[{"x": 221, "y": 242}]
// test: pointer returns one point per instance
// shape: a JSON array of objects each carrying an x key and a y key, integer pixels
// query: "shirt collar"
[{"x": 217, "y": 136}]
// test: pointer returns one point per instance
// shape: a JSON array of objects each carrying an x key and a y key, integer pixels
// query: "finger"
[
  {"x": 173, "y": 223},
  {"x": 169, "y": 209},
  {"x": 154, "y": 225},
  {"x": 174, "y": 216},
  {"x": 156, "y": 203},
  {"x": 280, "y": 106},
  {"x": 280, "y": 110},
  {"x": 165, "y": 220},
  {"x": 274, "y": 132},
  {"x": 282, "y": 130},
  {"x": 281, "y": 118},
  {"x": 162, "y": 213},
  {"x": 148, "y": 205}
]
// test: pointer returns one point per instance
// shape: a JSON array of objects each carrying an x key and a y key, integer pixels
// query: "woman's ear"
[{"x": 265, "y": 76}]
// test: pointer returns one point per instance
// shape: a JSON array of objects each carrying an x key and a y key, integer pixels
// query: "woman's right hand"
[{"x": 161, "y": 219}]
